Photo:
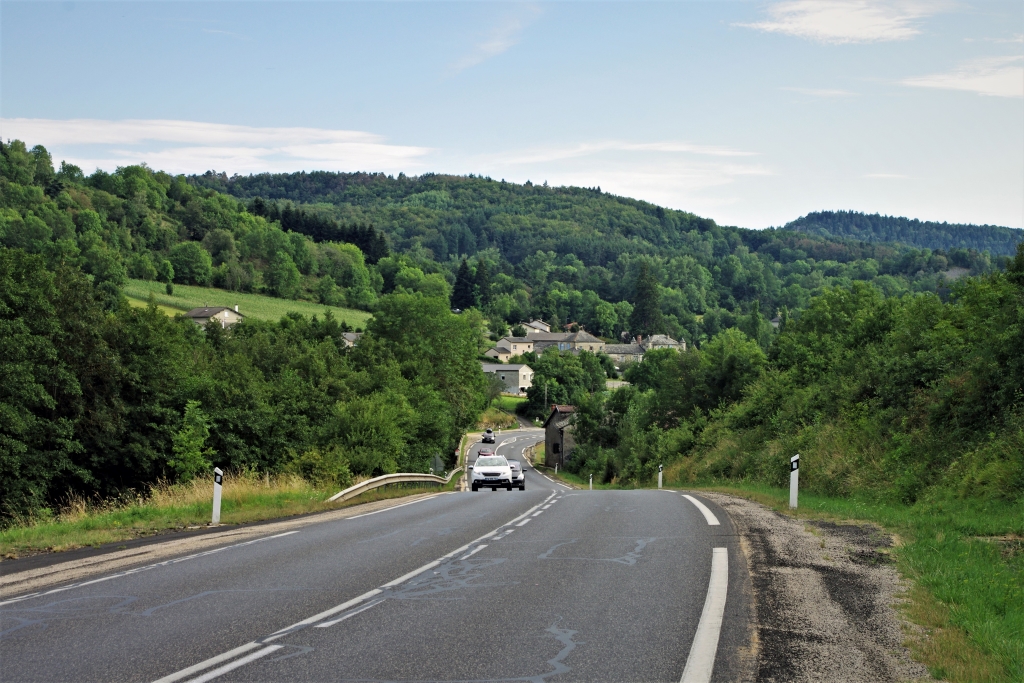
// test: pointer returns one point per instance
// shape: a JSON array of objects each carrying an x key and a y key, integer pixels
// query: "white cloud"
[
  {"x": 992, "y": 76},
  {"x": 674, "y": 174},
  {"x": 847, "y": 21},
  {"x": 588, "y": 149},
  {"x": 887, "y": 176},
  {"x": 821, "y": 92},
  {"x": 502, "y": 37},
  {"x": 195, "y": 146}
]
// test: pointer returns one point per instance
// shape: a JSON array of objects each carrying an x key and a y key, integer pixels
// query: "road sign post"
[
  {"x": 660, "y": 468},
  {"x": 218, "y": 480},
  {"x": 794, "y": 479}
]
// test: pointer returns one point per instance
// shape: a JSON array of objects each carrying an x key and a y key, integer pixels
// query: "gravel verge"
[{"x": 824, "y": 598}]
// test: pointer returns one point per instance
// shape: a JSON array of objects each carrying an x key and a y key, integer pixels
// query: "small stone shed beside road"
[{"x": 558, "y": 437}]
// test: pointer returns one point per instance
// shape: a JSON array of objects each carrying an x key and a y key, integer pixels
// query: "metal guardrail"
[{"x": 385, "y": 479}]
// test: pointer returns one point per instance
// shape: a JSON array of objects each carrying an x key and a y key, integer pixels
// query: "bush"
[{"x": 322, "y": 468}]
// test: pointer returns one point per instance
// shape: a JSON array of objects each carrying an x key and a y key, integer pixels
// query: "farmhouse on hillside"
[{"x": 225, "y": 316}]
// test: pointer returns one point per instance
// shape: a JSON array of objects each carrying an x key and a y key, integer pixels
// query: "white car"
[{"x": 491, "y": 471}]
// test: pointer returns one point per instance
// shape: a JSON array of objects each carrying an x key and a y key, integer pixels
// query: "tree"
[
  {"x": 518, "y": 330},
  {"x": 283, "y": 276},
  {"x": 191, "y": 264},
  {"x": 646, "y": 316},
  {"x": 191, "y": 456},
  {"x": 327, "y": 291},
  {"x": 462, "y": 294},
  {"x": 483, "y": 284}
]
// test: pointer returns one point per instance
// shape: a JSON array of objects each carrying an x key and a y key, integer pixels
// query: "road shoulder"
[
  {"x": 16, "y": 581},
  {"x": 824, "y": 597}
]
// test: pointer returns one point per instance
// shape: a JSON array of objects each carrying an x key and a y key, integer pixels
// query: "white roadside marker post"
[
  {"x": 591, "y": 482},
  {"x": 660, "y": 467},
  {"x": 218, "y": 480},
  {"x": 794, "y": 479}
]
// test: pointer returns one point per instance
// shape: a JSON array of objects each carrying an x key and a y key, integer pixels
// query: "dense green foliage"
[
  {"x": 149, "y": 225},
  {"x": 98, "y": 401},
  {"x": 895, "y": 396},
  {"x": 954, "y": 238},
  {"x": 570, "y": 254}
]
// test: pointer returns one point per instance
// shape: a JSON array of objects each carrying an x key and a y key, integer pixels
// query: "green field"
[{"x": 250, "y": 305}]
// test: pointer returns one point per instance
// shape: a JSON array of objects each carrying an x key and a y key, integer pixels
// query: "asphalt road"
[{"x": 547, "y": 584}]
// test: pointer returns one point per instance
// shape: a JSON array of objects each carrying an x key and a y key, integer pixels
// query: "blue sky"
[{"x": 750, "y": 113}]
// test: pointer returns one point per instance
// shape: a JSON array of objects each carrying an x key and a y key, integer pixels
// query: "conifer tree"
[
  {"x": 646, "y": 316},
  {"x": 462, "y": 292},
  {"x": 483, "y": 284}
]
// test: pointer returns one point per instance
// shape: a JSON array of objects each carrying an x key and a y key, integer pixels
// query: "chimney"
[{"x": 236, "y": 308}]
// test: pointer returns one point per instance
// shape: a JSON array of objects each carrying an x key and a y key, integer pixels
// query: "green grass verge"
[
  {"x": 256, "y": 306},
  {"x": 174, "y": 509},
  {"x": 509, "y": 403}
]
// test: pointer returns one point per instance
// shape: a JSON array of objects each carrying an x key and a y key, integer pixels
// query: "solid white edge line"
[
  {"x": 195, "y": 668},
  {"x": 328, "y": 624},
  {"x": 701, "y": 661},
  {"x": 235, "y": 664},
  {"x": 708, "y": 514},
  {"x": 136, "y": 570}
]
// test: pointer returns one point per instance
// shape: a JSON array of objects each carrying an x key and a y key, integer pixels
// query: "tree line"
[{"x": 955, "y": 238}]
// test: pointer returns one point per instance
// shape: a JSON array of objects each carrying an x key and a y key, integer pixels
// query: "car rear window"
[{"x": 495, "y": 461}]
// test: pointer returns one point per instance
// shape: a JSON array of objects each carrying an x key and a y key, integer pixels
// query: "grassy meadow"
[{"x": 256, "y": 306}]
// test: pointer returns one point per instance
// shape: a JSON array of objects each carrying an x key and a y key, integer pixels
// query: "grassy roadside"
[
  {"x": 246, "y": 498},
  {"x": 965, "y": 560}
]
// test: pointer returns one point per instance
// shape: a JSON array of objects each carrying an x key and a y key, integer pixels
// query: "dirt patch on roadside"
[{"x": 824, "y": 596}]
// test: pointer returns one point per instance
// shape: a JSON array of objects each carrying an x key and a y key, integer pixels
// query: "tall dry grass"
[{"x": 246, "y": 497}]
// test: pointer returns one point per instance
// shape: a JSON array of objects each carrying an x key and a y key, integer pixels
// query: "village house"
[
  {"x": 536, "y": 326},
  {"x": 225, "y": 316},
  {"x": 624, "y": 354},
  {"x": 508, "y": 347},
  {"x": 350, "y": 338},
  {"x": 517, "y": 377},
  {"x": 633, "y": 352},
  {"x": 558, "y": 436}
]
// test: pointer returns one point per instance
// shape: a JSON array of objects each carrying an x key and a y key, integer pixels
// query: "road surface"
[{"x": 547, "y": 584}]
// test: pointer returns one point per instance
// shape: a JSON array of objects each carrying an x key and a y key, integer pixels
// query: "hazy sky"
[{"x": 750, "y": 113}]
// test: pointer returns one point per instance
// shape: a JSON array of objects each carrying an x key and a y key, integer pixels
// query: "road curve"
[{"x": 547, "y": 584}]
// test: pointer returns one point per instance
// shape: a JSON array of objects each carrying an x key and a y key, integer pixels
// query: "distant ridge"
[{"x": 997, "y": 240}]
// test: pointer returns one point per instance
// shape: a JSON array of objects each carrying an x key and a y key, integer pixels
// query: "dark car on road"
[
  {"x": 518, "y": 476},
  {"x": 488, "y": 436}
]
